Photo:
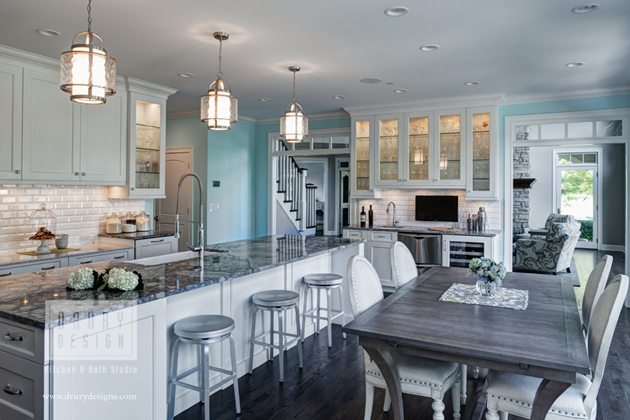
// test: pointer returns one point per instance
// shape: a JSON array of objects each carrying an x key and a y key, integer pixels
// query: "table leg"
[
  {"x": 386, "y": 365},
  {"x": 547, "y": 393}
]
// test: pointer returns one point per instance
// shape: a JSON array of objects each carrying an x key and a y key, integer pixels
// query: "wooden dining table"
[{"x": 545, "y": 340}]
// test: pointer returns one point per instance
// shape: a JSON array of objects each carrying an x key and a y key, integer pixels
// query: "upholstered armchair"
[
  {"x": 550, "y": 254},
  {"x": 553, "y": 218}
]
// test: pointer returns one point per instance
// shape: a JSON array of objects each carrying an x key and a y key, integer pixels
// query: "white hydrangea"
[
  {"x": 121, "y": 279},
  {"x": 81, "y": 279}
]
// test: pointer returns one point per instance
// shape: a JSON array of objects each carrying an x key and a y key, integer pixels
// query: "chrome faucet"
[
  {"x": 199, "y": 248},
  {"x": 394, "y": 221}
]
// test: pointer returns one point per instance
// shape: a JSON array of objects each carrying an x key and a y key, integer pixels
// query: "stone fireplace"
[{"x": 520, "y": 196}]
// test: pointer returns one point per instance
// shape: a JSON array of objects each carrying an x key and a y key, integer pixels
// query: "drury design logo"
[{"x": 91, "y": 330}]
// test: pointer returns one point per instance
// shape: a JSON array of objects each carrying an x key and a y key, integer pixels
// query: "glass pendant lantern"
[
  {"x": 219, "y": 108},
  {"x": 88, "y": 73},
  {"x": 294, "y": 124}
]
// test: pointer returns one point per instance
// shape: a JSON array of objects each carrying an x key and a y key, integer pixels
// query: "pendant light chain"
[
  {"x": 220, "y": 73},
  {"x": 294, "y": 84},
  {"x": 89, "y": 10}
]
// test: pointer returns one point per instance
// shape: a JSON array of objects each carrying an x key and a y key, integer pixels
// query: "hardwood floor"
[{"x": 331, "y": 384}]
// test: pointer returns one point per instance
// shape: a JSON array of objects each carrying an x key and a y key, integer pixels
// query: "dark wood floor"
[{"x": 331, "y": 385}]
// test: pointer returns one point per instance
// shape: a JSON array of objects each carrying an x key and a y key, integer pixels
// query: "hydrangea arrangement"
[
  {"x": 121, "y": 279},
  {"x": 82, "y": 279},
  {"x": 487, "y": 268}
]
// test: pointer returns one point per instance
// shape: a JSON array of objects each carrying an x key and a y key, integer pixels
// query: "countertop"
[
  {"x": 11, "y": 258},
  {"x": 426, "y": 229},
  {"x": 140, "y": 235},
  {"x": 24, "y": 298}
]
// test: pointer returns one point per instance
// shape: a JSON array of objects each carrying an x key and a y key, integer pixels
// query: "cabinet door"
[
  {"x": 388, "y": 151},
  {"x": 379, "y": 255},
  {"x": 104, "y": 141},
  {"x": 449, "y": 129},
  {"x": 10, "y": 121},
  {"x": 481, "y": 154},
  {"x": 418, "y": 149},
  {"x": 50, "y": 130},
  {"x": 361, "y": 150},
  {"x": 146, "y": 248}
]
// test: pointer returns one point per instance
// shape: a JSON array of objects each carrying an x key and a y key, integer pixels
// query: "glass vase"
[{"x": 486, "y": 287}]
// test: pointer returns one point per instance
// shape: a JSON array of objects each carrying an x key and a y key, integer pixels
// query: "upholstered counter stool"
[
  {"x": 202, "y": 331},
  {"x": 277, "y": 302},
  {"x": 326, "y": 282}
]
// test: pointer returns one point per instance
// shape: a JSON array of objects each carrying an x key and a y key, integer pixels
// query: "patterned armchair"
[
  {"x": 551, "y": 254},
  {"x": 553, "y": 218}
]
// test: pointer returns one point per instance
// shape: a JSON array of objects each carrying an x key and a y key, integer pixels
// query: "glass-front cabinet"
[
  {"x": 418, "y": 149},
  {"x": 362, "y": 151},
  {"x": 449, "y": 154},
  {"x": 481, "y": 153},
  {"x": 390, "y": 161}
]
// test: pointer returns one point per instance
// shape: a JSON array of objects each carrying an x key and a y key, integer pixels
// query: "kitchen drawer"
[
  {"x": 146, "y": 248},
  {"x": 103, "y": 256},
  {"x": 22, "y": 384},
  {"x": 46, "y": 265},
  {"x": 22, "y": 340},
  {"x": 354, "y": 234},
  {"x": 382, "y": 236}
]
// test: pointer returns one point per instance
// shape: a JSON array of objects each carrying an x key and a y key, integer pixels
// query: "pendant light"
[
  {"x": 88, "y": 73},
  {"x": 294, "y": 125},
  {"x": 219, "y": 108}
]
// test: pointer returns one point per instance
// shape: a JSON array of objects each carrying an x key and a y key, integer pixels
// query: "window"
[
  {"x": 576, "y": 158},
  {"x": 587, "y": 129}
]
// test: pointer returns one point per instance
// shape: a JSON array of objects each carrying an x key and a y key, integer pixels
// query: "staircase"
[{"x": 294, "y": 197}]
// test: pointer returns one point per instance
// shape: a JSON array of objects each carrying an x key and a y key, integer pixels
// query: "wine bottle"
[
  {"x": 362, "y": 215},
  {"x": 371, "y": 217}
]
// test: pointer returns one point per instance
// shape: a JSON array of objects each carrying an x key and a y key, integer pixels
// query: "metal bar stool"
[
  {"x": 202, "y": 331},
  {"x": 276, "y": 302},
  {"x": 319, "y": 282}
]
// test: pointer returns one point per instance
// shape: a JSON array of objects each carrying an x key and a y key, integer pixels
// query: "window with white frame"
[{"x": 596, "y": 128}]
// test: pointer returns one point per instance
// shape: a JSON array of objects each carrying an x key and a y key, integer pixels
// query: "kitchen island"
[{"x": 104, "y": 354}]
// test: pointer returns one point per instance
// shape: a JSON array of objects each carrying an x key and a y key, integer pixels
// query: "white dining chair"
[
  {"x": 418, "y": 376},
  {"x": 594, "y": 287},
  {"x": 404, "y": 269},
  {"x": 510, "y": 393}
]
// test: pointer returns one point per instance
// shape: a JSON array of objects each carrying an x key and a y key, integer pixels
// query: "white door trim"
[
  {"x": 338, "y": 168},
  {"x": 324, "y": 161}
]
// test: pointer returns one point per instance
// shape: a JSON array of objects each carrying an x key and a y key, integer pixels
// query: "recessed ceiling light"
[
  {"x": 264, "y": 100},
  {"x": 185, "y": 75},
  {"x": 429, "y": 47},
  {"x": 48, "y": 32},
  {"x": 400, "y": 91},
  {"x": 339, "y": 97},
  {"x": 396, "y": 11},
  {"x": 389, "y": 83},
  {"x": 587, "y": 8},
  {"x": 574, "y": 65},
  {"x": 471, "y": 83},
  {"x": 370, "y": 81}
]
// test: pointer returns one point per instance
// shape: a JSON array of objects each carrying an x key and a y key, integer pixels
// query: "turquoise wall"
[{"x": 262, "y": 166}]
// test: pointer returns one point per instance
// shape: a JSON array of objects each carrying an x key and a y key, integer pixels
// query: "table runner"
[{"x": 503, "y": 298}]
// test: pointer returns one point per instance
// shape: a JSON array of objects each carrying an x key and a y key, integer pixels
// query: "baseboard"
[{"x": 608, "y": 247}]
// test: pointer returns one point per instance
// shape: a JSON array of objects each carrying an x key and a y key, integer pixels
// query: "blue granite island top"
[{"x": 23, "y": 298}]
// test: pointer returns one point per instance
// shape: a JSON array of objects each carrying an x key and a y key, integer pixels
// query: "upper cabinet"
[
  {"x": 450, "y": 149},
  {"x": 10, "y": 121}
]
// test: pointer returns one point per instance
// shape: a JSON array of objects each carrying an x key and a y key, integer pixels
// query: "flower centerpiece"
[
  {"x": 82, "y": 279},
  {"x": 121, "y": 279},
  {"x": 490, "y": 274}
]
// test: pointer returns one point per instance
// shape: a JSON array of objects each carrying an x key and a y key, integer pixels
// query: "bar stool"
[
  {"x": 202, "y": 331},
  {"x": 319, "y": 282},
  {"x": 276, "y": 302}
]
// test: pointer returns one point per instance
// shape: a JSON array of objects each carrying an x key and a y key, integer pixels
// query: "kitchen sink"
[{"x": 170, "y": 258}]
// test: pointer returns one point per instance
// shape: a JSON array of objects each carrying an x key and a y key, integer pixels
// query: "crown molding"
[
  {"x": 150, "y": 88},
  {"x": 590, "y": 93},
  {"x": 195, "y": 113},
  {"x": 32, "y": 58},
  {"x": 455, "y": 102}
]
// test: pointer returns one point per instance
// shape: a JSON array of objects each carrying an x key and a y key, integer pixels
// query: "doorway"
[
  {"x": 342, "y": 194},
  {"x": 317, "y": 175},
  {"x": 178, "y": 163},
  {"x": 576, "y": 191}
]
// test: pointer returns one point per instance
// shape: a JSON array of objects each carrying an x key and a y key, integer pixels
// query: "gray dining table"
[{"x": 545, "y": 340}]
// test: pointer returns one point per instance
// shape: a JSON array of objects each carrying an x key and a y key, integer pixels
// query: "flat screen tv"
[{"x": 436, "y": 208}]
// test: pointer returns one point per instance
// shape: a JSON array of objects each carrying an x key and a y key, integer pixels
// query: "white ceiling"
[{"x": 512, "y": 47}]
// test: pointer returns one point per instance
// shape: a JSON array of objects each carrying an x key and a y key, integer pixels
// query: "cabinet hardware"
[
  {"x": 132, "y": 189},
  {"x": 52, "y": 267},
  {"x": 9, "y": 390},
  {"x": 17, "y": 171},
  {"x": 10, "y": 337},
  {"x": 82, "y": 173},
  {"x": 6, "y": 274},
  {"x": 76, "y": 174},
  {"x": 86, "y": 262},
  {"x": 157, "y": 241},
  {"x": 119, "y": 257}
]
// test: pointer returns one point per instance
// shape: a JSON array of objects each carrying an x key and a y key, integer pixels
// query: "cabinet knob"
[
  {"x": 132, "y": 189},
  {"x": 82, "y": 173},
  {"x": 17, "y": 171},
  {"x": 76, "y": 174}
]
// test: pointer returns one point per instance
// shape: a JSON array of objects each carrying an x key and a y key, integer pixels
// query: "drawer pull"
[
  {"x": 10, "y": 337},
  {"x": 6, "y": 274},
  {"x": 86, "y": 262},
  {"x": 9, "y": 390},
  {"x": 52, "y": 267},
  {"x": 157, "y": 241},
  {"x": 119, "y": 257}
]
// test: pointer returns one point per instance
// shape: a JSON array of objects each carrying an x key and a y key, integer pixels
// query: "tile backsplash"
[
  {"x": 405, "y": 201},
  {"x": 80, "y": 211}
]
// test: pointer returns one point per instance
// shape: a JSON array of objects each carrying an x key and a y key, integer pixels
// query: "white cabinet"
[
  {"x": 377, "y": 251},
  {"x": 362, "y": 154},
  {"x": 123, "y": 255},
  {"x": 146, "y": 248},
  {"x": 419, "y": 149},
  {"x": 10, "y": 121},
  {"x": 388, "y": 150},
  {"x": 46, "y": 265},
  {"x": 481, "y": 153},
  {"x": 458, "y": 250},
  {"x": 449, "y": 147}
]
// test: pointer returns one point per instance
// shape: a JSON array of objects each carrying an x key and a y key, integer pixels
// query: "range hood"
[{"x": 523, "y": 183}]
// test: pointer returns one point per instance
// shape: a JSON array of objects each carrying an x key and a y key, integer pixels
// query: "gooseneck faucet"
[
  {"x": 394, "y": 221},
  {"x": 199, "y": 248}
]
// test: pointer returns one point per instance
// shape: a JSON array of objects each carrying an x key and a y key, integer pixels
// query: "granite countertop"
[
  {"x": 426, "y": 229},
  {"x": 24, "y": 298},
  {"x": 104, "y": 245},
  {"x": 140, "y": 235}
]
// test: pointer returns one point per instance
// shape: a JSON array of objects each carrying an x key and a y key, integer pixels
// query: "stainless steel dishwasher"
[{"x": 425, "y": 248}]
